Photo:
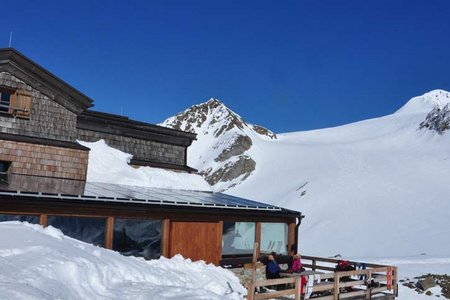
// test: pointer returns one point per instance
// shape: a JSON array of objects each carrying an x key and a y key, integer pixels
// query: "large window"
[
  {"x": 238, "y": 238},
  {"x": 22, "y": 218},
  {"x": 274, "y": 238},
  {"x": 138, "y": 237},
  {"x": 89, "y": 230}
]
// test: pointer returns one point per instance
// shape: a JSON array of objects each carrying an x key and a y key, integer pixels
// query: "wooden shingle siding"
[
  {"x": 44, "y": 160},
  {"x": 47, "y": 119}
]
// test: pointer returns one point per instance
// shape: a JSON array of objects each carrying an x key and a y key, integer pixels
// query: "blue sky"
[{"x": 286, "y": 65}]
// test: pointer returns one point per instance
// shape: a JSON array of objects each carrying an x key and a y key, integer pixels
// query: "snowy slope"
[
  {"x": 375, "y": 188},
  {"x": 39, "y": 263}
]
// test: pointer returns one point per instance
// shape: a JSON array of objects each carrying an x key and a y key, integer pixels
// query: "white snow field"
[
  {"x": 376, "y": 188},
  {"x": 38, "y": 263}
]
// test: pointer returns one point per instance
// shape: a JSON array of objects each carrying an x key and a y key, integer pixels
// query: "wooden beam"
[
  {"x": 165, "y": 238},
  {"x": 43, "y": 219},
  {"x": 291, "y": 239},
  {"x": 258, "y": 238},
  {"x": 109, "y": 232}
]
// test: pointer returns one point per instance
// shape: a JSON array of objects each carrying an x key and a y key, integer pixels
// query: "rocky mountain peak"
[{"x": 221, "y": 153}]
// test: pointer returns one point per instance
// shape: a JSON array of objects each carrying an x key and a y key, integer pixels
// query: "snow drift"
[
  {"x": 110, "y": 165},
  {"x": 40, "y": 263}
]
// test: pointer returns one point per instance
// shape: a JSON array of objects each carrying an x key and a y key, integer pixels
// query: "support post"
[
  {"x": 165, "y": 238},
  {"x": 252, "y": 284},
  {"x": 297, "y": 287},
  {"x": 336, "y": 286},
  {"x": 369, "y": 288},
  {"x": 258, "y": 238},
  {"x": 109, "y": 231},
  {"x": 291, "y": 239},
  {"x": 43, "y": 220}
]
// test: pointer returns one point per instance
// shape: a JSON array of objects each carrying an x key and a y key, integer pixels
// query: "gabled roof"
[{"x": 17, "y": 64}]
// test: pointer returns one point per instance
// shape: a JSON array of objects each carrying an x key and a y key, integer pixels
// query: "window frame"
[{"x": 15, "y": 97}]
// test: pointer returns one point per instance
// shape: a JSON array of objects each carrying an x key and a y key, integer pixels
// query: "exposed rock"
[
  {"x": 264, "y": 131},
  {"x": 438, "y": 119},
  {"x": 426, "y": 283},
  {"x": 239, "y": 146},
  {"x": 243, "y": 166}
]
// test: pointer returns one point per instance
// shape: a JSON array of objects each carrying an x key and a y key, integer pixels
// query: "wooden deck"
[{"x": 377, "y": 282}]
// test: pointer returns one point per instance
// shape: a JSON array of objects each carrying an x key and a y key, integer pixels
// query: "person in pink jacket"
[{"x": 297, "y": 264}]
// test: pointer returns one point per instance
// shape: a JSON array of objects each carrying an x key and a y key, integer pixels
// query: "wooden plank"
[
  {"x": 165, "y": 234},
  {"x": 335, "y": 261},
  {"x": 109, "y": 232},
  {"x": 43, "y": 219},
  {"x": 291, "y": 239},
  {"x": 352, "y": 283},
  {"x": 276, "y": 281},
  {"x": 352, "y": 294},
  {"x": 317, "y": 267},
  {"x": 323, "y": 287},
  {"x": 274, "y": 294}
]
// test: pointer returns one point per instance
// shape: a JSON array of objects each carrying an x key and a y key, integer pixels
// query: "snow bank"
[
  {"x": 40, "y": 263},
  {"x": 110, "y": 165}
]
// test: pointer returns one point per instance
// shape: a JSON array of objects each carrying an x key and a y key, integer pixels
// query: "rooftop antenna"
[{"x": 10, "y": 39}]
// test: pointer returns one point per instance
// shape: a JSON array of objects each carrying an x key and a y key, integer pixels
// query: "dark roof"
[
  {"x": 123, "y": 126},
  {"x": 72, "y": 190},
  {"x": 17, "y": 64}
]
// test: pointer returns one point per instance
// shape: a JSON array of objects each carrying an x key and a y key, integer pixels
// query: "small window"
[
  {"x": 5, "y": 101},
  {"x": 15, "y": 103},
  {"x": 4, "y": 166}
]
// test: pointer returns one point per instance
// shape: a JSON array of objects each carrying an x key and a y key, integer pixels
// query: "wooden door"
[{"x": 196, "y": 240}]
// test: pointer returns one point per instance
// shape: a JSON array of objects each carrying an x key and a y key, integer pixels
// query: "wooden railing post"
[
  {"x": 43, "y": 220},
  {"x": 298, "y": 287},
  {"x": 368, "y": 282},
  {"x": 314, "y": 263},
  {"x": 336, "y": 286},
  {"x": 252, "y": 284}
]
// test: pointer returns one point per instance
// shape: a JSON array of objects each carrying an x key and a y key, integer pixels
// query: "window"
[
  {"x": 21, "y": 218},
  {"x": 238, "y": 238},
  {"x": 5, "y": 101},
  {"x": 140, "y": 238},
  {"x": 4, "y": 166},
  {"x": 16, "y": 103},
  {"x": 89, "y": 230},
  {"x": 274, "y": 238}
]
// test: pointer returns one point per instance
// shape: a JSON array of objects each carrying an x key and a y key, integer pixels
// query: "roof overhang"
[{"x": 17, "y": 64}]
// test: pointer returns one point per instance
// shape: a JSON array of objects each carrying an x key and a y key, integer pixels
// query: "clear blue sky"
[{"x": 286, "y": 65}]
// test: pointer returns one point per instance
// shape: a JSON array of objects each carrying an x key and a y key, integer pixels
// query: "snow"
[
  {"x": 40, "y": 263},
  {"x": 109, "y": 165}
]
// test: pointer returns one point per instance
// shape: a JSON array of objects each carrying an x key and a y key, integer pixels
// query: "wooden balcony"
[{"x": 374, "y": 282}]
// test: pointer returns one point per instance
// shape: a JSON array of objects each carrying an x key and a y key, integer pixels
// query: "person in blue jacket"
[{"x": 272, "y": 268}]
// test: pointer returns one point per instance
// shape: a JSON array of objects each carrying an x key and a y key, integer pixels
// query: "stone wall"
[
  {"x": 245, "y": 274},
  {"x": 44, "y": 160},
  {"x": 48, "y": 119},
  {"x": 140, "y": 149}
]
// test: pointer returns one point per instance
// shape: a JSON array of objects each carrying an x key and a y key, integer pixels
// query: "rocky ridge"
[{"x": 221, "y": 152}]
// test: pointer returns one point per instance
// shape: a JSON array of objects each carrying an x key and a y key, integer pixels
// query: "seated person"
[
  {"x": 272, "y": 268},
  {"x": 297, "y": 264}
]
